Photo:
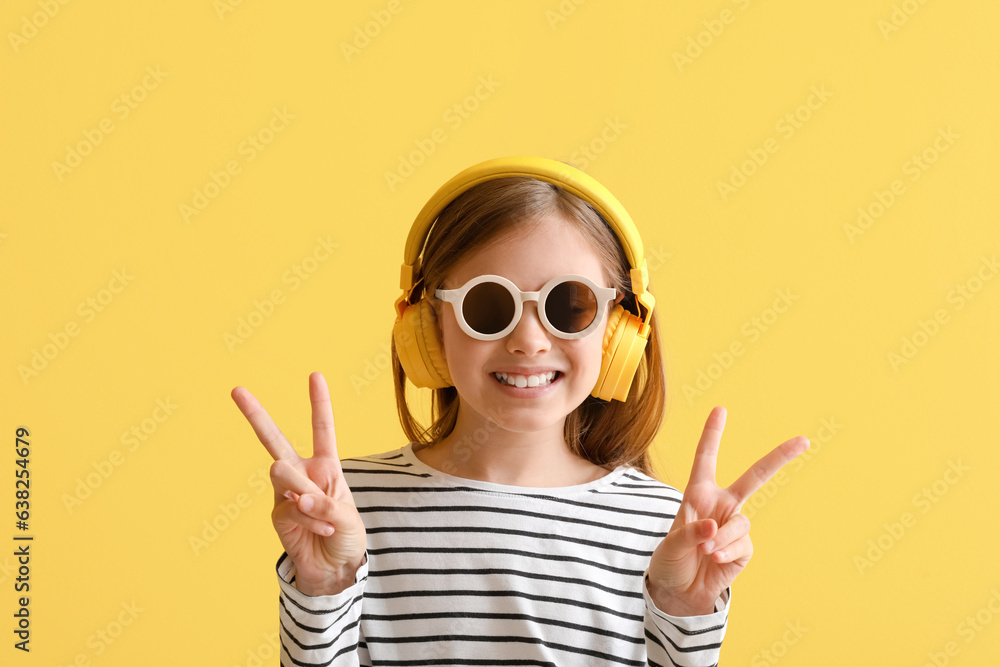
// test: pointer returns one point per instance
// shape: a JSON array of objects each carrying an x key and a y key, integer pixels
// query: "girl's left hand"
[{"x": 709, "y": 541}]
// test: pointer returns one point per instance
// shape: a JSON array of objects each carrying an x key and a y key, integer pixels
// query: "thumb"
[{"x": 679, "y": 542}]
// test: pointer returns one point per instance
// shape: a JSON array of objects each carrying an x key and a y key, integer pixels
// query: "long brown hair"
[{"x": 606, "y": 433}]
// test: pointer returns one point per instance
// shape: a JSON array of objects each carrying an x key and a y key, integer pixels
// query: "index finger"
[
  {"x": 763, "y": 470},
  {"x": 267, "y": 431}
]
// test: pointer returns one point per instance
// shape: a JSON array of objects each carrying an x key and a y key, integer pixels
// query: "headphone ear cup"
[
  {"x": 622, "y": 351},
  {"x": 419, "y": 348}
]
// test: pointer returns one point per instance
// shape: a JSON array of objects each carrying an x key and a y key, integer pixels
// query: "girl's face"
[{"x": 529, "y": 259}]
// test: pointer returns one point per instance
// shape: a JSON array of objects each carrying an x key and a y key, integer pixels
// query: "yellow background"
[{"x": 562, "y": 74}]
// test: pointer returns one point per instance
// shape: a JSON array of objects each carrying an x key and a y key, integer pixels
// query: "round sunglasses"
[{"x": 488, "y": 307}]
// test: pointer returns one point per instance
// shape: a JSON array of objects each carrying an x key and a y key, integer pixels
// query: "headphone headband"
[{"x": 551, "y": 171}]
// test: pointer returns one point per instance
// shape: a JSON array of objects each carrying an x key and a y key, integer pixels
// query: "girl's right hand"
[{"x": 314, "y": 513}]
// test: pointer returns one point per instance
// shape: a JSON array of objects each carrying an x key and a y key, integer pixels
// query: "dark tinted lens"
[
  {"x": 488, "y": 308},
  {"x": 571, "y": 306}
]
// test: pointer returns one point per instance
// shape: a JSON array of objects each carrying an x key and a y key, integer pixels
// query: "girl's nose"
[{"x": 529, "y": 336}]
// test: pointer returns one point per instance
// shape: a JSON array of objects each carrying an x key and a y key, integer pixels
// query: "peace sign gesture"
[
  {"x": 709, "y": 541},
  {"x": 314, "y": 513}
]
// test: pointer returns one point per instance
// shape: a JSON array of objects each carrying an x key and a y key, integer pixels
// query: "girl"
[{"x": 525, "y": 525}]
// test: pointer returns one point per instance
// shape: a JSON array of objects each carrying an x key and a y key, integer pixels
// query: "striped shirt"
[{"x": 467, "y": 572}]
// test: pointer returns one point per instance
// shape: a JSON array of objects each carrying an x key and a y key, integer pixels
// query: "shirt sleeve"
[
  {"x": 684, "y": 641},
  {"x": 319, "y": 629}
]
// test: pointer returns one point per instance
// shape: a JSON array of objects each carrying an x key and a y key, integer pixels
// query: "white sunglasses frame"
[{"x": 456, "y": 298}]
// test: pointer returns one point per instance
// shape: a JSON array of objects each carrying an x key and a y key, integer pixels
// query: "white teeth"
[{"x": 526, "y": 380}]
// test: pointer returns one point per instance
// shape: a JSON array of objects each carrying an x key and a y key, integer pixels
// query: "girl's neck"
[{"x": 538, "y": 459}]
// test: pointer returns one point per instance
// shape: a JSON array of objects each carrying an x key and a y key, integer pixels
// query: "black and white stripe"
[{"x": 465, "y": 572}]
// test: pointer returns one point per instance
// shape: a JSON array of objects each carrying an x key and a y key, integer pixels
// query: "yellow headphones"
[{"x": 415, "y": 330}]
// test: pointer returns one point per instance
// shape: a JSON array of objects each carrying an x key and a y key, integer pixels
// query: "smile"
[{"x": 540, "y": 380}]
